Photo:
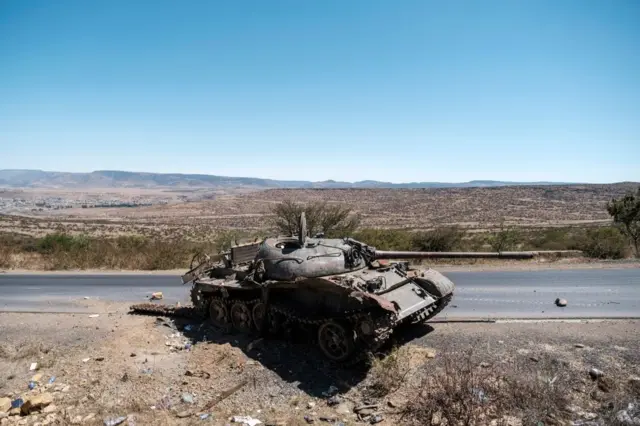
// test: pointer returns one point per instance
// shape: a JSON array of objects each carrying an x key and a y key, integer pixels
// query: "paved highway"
[{"x": 591, "y": 293}]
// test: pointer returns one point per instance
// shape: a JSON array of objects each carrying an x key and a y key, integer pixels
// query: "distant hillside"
[{"x": 123, "y": 179}]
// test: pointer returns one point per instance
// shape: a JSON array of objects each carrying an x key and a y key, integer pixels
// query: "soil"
[{"x": 150, "y": 368}]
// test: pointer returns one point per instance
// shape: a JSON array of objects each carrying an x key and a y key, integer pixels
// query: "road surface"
[{"x": 591, "y": 293}]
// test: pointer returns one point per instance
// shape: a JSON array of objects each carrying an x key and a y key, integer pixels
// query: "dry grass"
[{"x": 461, "y": 390}]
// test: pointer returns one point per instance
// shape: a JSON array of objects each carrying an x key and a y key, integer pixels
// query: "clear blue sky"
[{"x": 328, "y": 89}]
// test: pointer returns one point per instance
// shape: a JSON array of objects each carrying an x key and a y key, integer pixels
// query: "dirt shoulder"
[
  {"x": 484, "y": 265},
  {"x": 179, "y": 372}
]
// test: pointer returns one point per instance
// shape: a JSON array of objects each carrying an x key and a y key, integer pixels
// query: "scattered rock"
[
  {"x": 534, "y": 359},
  {"x": 245, "y": 420},
  {"x": 561, "y": 302},
  {"x": 132, "y": 355},
  {"x": 183, "y": 414},
  {"x": 100, "y": 358},
  {"x": 334, "y": 400},
  {"x": 187, "y": 398},
  {"x": 485, "y": 365},
  {"x": 51, "y": 408},
  {"x": 309, "y": 419},
  {"x": 36, "y": 402},
  {"x": 579, "y": 345},
  {"x": 376, "y": 419},
  {"x": 5, "y": 405},
  {"x": 114, "y": 421},
  {"x": 595, "y": 373},
  {"x": 343, "y": 408},
  {"x": 634, "y": 383},
  {"x": 33, "y": 366},
  {"x": 311, "y": 404},
  {"x": 156, "y": 296}
]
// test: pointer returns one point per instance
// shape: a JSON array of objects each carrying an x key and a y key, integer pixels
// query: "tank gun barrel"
[{"x": 380, "y": 254}]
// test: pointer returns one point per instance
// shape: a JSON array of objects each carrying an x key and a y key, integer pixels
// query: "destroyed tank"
[{"x": 340, "y": 293}]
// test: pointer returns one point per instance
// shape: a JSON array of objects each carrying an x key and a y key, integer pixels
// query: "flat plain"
[{"x": 182, "y": 214}]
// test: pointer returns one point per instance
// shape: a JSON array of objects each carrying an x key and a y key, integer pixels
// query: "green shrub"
[
  {"x": 385, "y": 239},
  {"x": 440, "y": 239},
  {"x": 604, "y": 243}
]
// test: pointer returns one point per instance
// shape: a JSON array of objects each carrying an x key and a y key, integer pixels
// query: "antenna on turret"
[{"x": 302, "y": 231}]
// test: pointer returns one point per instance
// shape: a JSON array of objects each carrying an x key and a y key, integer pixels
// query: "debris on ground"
[
  {"x": 561, "y": 302},
  {"x": 37, "y": 402},
  {"x": 114, "y": 421},
  {"x": 595, "y": 373},
  {"x": 156, "y": 296},
  {"x": 245, "y": 420}
]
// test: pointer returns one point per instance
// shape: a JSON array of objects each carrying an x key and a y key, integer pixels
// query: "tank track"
[
  {"x": 289, "y": 318},
  {"x": 431, "y": 310}
]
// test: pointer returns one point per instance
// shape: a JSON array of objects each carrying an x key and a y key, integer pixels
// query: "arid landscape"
[
  {"x": 553, "y": 217},
  {"x": 145, "y": 370}
]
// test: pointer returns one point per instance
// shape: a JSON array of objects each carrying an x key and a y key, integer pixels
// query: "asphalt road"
[{"x": 591, "y": 293}]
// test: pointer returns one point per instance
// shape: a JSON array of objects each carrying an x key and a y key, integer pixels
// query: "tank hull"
[{"x": 364, "y": 306}]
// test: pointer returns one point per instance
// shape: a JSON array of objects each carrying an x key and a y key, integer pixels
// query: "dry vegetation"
[
  {"x": 471, "y": 374},
  {"x": 166, "y": 237}
]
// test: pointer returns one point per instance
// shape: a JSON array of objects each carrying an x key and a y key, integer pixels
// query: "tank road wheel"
[
  {"x": 199, "y": 301},
  {"x": 336, "y": 341},
  {"x": 218, "y": 313},
  {"x": 241, "y": 317},
  {"x": 258, "y": 313}
]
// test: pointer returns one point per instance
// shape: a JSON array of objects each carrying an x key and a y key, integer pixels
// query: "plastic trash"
[
  {"x": 32, "y": 385},
  {"x": 204, "y": 416},
  {"x": 188, "y": 327},
  {"x": 17, "y": 403},
  {"x": 114, "y": 421},
  {"x": 33, "y": 366},
  {"x": 52, "y": 379},
  {"x": 246, "y": 420}
]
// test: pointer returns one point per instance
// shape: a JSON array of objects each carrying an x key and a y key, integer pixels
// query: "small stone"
[
  {"x": 534, "y": 359},
  {"x": 76, "y": 420},
  {"x": 595, "y": 373},
  {"x": 187, "y": 398},
  {"x": 484, "y": 365},
  {"x": 311, "y": 404},
  {"x": 393, "y": 404},
  {"x": 36, "y": 402},
  {"x": 132, "y": 355},
  {"x": 343, "y": 408},
  {"x": 579, "y": 345},
  {"x": 50, "y": 409},
  {"x": 89, "y": 417},
  {"x": 183, "y": 414},
  {"x": 66, "y": 389},
  {"x": 561, "y": 302},
  {"x": 100, "y": 358},
  {"x": 5, "y": 405}
]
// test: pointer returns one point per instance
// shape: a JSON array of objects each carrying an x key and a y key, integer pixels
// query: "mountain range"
[{"x": 124, "y": 179}]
